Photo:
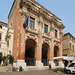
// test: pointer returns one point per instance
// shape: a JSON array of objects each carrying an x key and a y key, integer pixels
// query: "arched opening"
[
  {"x": 56, "y": 54},
  {"x": 30, "y": 52},
  {"x": 45, "y": 48},
  {"x": 56, "y": 51}
]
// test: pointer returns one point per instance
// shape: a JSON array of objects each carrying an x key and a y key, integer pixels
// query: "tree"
[{"x": 10, "y": 58}]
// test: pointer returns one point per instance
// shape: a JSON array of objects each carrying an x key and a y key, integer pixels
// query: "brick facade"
[{"x": 20, "y": 10}]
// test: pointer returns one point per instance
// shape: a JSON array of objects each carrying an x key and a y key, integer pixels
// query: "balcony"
[
  {"x": 57, "y": 39},
  {"x": 45, "y": 35},
  {"x": 31, "y": 30}
]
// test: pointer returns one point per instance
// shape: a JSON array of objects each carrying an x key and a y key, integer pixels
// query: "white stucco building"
[{"x": 3, "y": 44}]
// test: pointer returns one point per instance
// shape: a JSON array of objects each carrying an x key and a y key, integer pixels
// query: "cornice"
[
  {"x": 62, "y": 26},
  {"x": 41, "y": 11},
  {"x": 23, "y": 12},
  {"x": 3, "y": 24},
  {"x": 48, "y": 12},
  {"x": 69, "y": 35},
  {"x": 35, "y": 6},
  {"x": 31, "y": 4}
]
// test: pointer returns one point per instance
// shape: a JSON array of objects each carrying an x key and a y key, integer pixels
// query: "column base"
[
  {"x": 21, "y": 63},
  {"x": 39, "y": 65},
  {"x": 52, "y": 64},
  {"x": 61, "y": 64}
]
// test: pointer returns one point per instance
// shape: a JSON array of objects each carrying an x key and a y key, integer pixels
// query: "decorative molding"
[
  {"x": 34, "y": 31},
  {"x": 40, "y": 23},
  {"x": 38, "y": 9},
  {"x": 57, "y": 44},
  {"x": 33, "y": 35},
  {"x": 33, "y": 5},
  {"x": 23, "y": 13}
]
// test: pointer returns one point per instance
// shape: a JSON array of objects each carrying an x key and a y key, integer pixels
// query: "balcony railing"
[
  {"x": 46, "y": 35},
  {"x": 32, "y": 30}
]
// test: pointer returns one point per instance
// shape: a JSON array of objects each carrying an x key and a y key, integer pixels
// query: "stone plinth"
[
  {"x": 21, "y": 63},
  {"x": 52, "y": 64}
]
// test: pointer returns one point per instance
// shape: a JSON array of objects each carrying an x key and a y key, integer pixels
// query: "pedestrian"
[{"x": 49, "y": 66}]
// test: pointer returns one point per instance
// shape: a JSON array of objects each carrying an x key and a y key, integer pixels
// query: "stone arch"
[
  {"x": 45, "y": 49},
  {"x": 30, "y": 45},
  {"x": 31, "y": 39}
]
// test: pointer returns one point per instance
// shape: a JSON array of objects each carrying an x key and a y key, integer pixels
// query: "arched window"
[{"x": 0, "y": 26}]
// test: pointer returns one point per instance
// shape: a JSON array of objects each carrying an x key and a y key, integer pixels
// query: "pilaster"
[
  {"x": 21, "y": 51},
  {"x": 60, "y": 53},
  {"x": 39, "y": 49},
  {"x": 52, "y": 44}
]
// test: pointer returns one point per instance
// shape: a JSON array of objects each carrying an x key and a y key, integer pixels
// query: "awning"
[
  {"x": 68, "y": 58},
  {"x": 61, "y": 57}
]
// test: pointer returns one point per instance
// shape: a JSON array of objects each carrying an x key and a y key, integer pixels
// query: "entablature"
[{"x": 37, "y": 8}]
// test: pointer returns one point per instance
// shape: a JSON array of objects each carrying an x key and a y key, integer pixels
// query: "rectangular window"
[
  {"x": 0, "y": 36},
  {"x": 45, "y": 28},
  {"x": 73, "y": 47},
  {"x": 31, "y": 24},
  {"x": 55, "y": 33},
  {"x": 70, "y": 45}
]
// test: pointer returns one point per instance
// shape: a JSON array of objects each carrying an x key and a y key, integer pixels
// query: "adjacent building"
[
  {"x": 33, "y": 46},
  {"x": 68, "y": 45},
  {"x": 3, "y": 43}
]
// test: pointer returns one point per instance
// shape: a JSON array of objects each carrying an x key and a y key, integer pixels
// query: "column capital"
[
  {"x": 23, "y": 12},
  {"x": 40, "y": 19},
  {"x": 40, "y": 23}
]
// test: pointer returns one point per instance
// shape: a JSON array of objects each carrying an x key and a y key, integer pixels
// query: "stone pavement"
[{"x": 44, "y": 72}]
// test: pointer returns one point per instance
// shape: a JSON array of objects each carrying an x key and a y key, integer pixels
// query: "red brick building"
[{"x": 32, "y": 46}]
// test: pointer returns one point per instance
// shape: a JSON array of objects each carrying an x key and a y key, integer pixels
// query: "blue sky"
[{"x": 64, "y": 9}]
